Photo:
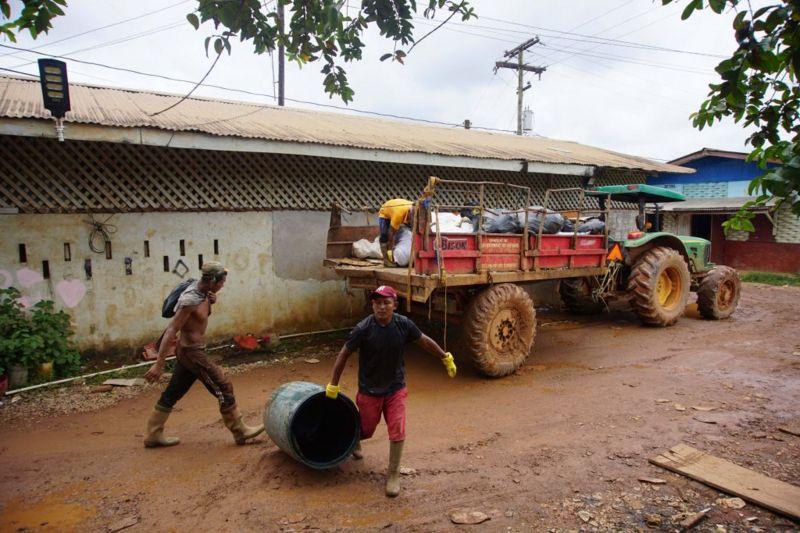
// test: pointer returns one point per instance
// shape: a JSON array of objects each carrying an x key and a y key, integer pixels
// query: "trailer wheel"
[
  {"x": 576, "y": 293},
  {"x": 659, "y": 286},
  {"x": 719, "y": 293},
  {"x": 499, "y": 329}
]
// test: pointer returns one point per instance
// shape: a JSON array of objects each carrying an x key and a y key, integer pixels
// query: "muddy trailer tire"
[
  {"x": 659, "y": 286},
  {"x": 499, "y": 329},
  {"x": 576, "y": 293},
  {"x": 719, "y": 293}
]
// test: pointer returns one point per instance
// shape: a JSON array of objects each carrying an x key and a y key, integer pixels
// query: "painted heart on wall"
[
  {"x": 71, "y": 291},
  {"x": 8, "y": 279},
  {"x": 28, "y": 278}
]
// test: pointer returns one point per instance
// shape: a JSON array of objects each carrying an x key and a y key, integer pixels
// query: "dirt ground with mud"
[{"x": 558, "y": 446}]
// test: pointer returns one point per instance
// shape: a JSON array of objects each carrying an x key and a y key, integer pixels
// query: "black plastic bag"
[
  {"x": 501, "y": 223},
  {"x": 593, "y": 226},
  {"x": 552, "y": 222}
]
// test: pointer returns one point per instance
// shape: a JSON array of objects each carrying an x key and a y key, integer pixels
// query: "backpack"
[{"x": 168, "y": 308}]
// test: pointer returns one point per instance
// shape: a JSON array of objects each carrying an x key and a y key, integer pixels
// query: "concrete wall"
[
  {"x": 762, "y": 250},
  {"x": 622, "y": 222},
  {"x": 276, "y": 281}
]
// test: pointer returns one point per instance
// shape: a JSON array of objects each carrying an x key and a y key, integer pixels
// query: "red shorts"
[{"x": 393, "y": 408}]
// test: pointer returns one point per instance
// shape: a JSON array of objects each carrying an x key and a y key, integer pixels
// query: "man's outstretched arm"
[{"x": 433, "y": 348}]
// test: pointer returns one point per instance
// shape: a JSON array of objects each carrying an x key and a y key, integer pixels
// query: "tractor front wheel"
[
  {"x": 719, "y": 293},
  {"x": 499, "y": 329},
  {"x": 659, "y": 286}
]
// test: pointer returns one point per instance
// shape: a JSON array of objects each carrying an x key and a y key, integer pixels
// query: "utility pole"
[
  {"x": 281, "y": 57},
  {"x": 521, "y": 68}
]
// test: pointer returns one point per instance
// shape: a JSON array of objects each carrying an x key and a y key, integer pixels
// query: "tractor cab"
[{"x": 696, "y": 251}]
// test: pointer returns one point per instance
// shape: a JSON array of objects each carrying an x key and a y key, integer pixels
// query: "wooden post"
[{"x": 478, "y": 238}]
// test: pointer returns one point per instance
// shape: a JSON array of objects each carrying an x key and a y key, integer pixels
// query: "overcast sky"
[{"x": 625, "y": 97}]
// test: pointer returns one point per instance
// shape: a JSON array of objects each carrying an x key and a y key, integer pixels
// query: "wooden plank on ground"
[
  {"x": 759, "y": 489},
  {"x": 791, "y": 430}
]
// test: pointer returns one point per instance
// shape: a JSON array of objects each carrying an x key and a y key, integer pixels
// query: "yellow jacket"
[{"x": 396, "y": 211}]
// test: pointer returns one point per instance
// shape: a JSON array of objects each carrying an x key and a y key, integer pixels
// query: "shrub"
[
  {"x": 38, "y": 335},
  {"x": 55, "y": 331}
]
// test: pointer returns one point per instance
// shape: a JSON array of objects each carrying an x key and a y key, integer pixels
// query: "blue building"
[
  {"x": 713, "y": 193},
  {"x": 719, "y": 174}
]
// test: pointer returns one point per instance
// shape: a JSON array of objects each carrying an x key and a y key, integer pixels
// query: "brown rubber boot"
[
  {"x": 393, "y": 475},
  {"x": 241, "y": 432},
  {"x": 155, "y": 431},
  {"x": 357, "y": 453}
]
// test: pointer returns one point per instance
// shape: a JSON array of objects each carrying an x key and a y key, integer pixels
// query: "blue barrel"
[{"x": 312, "y": 428}]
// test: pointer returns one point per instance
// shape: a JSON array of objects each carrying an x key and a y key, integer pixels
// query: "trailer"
[{"x": 473, "y": 280}]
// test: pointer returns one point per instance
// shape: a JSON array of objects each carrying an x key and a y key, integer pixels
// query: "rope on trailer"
[
  {"x": 442, "y": 273},
  {"x": 606, "y": 284},
  {"x": 444, "y": 340}
]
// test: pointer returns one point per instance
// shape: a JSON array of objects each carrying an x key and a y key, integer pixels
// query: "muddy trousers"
[{"x": 192, "y": 364}]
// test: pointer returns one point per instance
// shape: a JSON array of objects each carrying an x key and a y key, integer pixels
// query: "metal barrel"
[{"x": 312, "y": 428}]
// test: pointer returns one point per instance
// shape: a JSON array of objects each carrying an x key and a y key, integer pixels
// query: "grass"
[{"x": 772, "y": 278}]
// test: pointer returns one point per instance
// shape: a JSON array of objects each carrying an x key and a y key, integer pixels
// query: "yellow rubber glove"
[
  {"x": 332, "y": 391},
  {"x": 449, "y": 364}
]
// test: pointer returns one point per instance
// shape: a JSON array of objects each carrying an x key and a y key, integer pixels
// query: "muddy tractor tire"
[
  {"x": 659, "y": 285},
  {"x": 719, "y": 293},
  {"x": 576, "y": 293},
  {"x": 499, "y": 329}
]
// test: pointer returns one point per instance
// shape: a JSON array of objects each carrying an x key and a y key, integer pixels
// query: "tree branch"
[{"x": 445, "y": 21}]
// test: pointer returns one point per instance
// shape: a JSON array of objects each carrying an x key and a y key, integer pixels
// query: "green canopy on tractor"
[{"x": 632, "y": 193}]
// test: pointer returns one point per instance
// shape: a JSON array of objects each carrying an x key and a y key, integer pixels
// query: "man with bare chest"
[{"x": 192, "y": 363}]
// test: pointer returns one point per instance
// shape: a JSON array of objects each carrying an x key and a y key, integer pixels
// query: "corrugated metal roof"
[
  {"x": 715, "y": 205},
  {"x": 21, "y": 98}
]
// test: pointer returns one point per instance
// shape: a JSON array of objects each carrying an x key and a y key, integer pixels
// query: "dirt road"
[{"x": 559, "y": 445}]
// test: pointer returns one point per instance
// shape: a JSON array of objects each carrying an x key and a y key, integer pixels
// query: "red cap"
[{"x": 384, "y": 291}]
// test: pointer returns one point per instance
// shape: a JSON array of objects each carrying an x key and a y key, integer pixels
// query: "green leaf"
[
  {"x": 384, "y": 57},
  {"x": 717, "y": 5},
  {"x": 218, "y": 46},
  {"x": 193, "y": 20},
  {"x": 690, "y": 7}
]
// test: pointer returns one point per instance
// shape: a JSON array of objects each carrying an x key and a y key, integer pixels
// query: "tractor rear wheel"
[
  {"x": 659, "y": 286},
  {"x": 499, "y": 329},
  {"x": 576, "y": 293},
  {"x": 719, "y": 293}
]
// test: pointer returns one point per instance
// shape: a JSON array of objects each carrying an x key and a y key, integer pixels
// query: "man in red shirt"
[{"x": 380, "y": 340}]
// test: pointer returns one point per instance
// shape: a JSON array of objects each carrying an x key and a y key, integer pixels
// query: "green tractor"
[{"x": 655, "y": 270}]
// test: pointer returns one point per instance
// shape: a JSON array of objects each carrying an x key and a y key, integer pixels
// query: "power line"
[
  {"x": 113, "y": 42},
  {"x": 609, "y": 40},
  {"x": 602, "y": 15},
  {"x": 575, "y": 49},
  {"x": 19, "y": 72},
  {"x": 36, "y": 76},
  {"x": 590, "y": 39},
  {"x": 244, "y": 91},
  {"x": 571, "y": 53},
  {"x": 187, "y": 95},
  {"x": 632, "y": 31},
  {"x": 105, "y": 27}
]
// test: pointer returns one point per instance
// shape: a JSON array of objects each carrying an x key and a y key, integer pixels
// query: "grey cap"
[{"x": 213, "y": 269}]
